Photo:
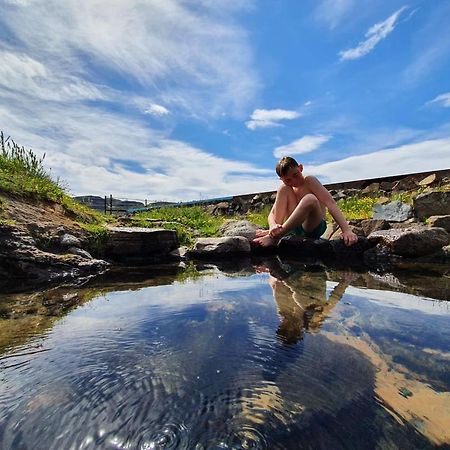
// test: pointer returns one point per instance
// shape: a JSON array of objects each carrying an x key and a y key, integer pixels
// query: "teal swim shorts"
[{"x": 315, "y": 234}]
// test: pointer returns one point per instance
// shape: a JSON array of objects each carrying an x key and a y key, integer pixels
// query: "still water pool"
[{"x": 276, "y": 356}]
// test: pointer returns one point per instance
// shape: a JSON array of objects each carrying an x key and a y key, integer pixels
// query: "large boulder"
[
  {"x": 394, "y": 211},
  {"x": 219, "y": 247},
  {"x": 239, "y": 228},
  {"x": 23, "y": 265},
  {"x": 413, "y": 242},
  {"x": 139, "y": 245},
  {"x": 435, "y": 203}
]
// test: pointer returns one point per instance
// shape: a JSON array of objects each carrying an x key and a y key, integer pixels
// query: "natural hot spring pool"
[{"x": 295, "y": 358}]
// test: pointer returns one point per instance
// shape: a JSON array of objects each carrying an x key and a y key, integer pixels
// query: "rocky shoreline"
[{"x": 41, "y": 245}]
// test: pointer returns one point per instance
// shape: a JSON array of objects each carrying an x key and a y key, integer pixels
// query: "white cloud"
[
  {"x": 332, "y": 12},
  {"x": 442, "y": 100},
  {"x": 182, "y": 55},
  {"x": 263, "y": 118},
  {"x": 156, "y": 110},
  {"x": 374, "y": 35},
  {"x": 428, "y": 155},
  {"x": 305, "y": 144},
  {"x": 191, "y": 57}
]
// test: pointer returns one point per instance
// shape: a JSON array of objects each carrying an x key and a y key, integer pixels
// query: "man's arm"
[{"x": 322, "y": 194}]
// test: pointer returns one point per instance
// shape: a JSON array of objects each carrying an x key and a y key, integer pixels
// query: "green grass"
[
  {"x": 259, "y": 218},
  {"x": 23, "y": 173},
  {"x": 357, "y": 207},
  {"x": 186, "y": 220}
]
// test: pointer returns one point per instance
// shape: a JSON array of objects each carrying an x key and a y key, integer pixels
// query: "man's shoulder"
[{"x": 311, "y": 179}]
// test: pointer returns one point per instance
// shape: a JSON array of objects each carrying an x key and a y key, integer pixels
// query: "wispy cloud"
[
  {"x": 442, "y": 100},
  {"x": 374, "y": 35},
  {"x": 305, "y": 144},
  {"x": 70, "y": 73},
  {"x": 185, "y": 56},
  {"x": 332, "y": 12},
  {"x": 264, "y": 118},
  {"x": 156, "y": 110}
]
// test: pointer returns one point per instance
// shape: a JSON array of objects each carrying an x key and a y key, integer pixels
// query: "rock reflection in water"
[{"x": 294, "y": 356}]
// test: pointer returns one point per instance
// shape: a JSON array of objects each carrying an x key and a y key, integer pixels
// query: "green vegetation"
[
  {"x": 259, "y": 218},
  {"x": 357, "y": 207},
  {"x": 98, "y": 237},
  {"x": 23, "y": 173},
  {"x": 188, "y": 221}
]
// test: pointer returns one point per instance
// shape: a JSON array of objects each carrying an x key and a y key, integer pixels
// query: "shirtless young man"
[{"x": 300, "y": 207}]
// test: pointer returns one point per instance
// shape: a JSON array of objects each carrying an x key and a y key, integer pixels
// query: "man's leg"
[
  {"x": 285, "y": 203},
  {"x": 308, "y": 214},
  {"x": 284, "y": 206}
]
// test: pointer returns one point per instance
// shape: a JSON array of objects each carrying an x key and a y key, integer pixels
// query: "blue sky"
[{"x": 184, "y": 99}]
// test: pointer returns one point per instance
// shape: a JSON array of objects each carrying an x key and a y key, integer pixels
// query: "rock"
[
  {"x": 223, "y": 246},
  {"x": 404, "y": 225},
  {"x": 24, "y": 265},
  {"x": 257, "y": 198},
  {"x": 394, "y": 212},
  {"x": 342, "y": 252},
  {"x": 180, "y": 253},
  {"x": 371, "y": 188},
  {"x": 221, "y": 208},
  {"x": 302, "y": 247},
  {"x": 440, "y": 221},
  {"x": 370, "y": 225},
  {"x": 139, "y": 245},
  {"x": 273, "y": 197},
  {"x": 387, "y": 185},
  {"x": 239, "y": 228},
  {"x": 79, "y": 252},
  {"x": 405, "y": 184},
  {"x": 412, "y": 242},
  {"x": 69, "y": 240},
  {"x": 357, "y": 230},
  {"x": 434, "y": 203},
  {"x": 383, "y": 200},
  {"x": 430, "y": 179}
]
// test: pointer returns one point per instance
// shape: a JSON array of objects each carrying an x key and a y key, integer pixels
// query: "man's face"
[{"x": 293, "y": 177}]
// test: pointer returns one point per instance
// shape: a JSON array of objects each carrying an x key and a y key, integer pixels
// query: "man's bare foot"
[
  {"x": 261, "y": 233},
  {"x": 266, "y": 241}
]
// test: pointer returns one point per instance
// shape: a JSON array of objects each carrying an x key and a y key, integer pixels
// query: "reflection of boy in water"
[{"x": 301, "y": 299}]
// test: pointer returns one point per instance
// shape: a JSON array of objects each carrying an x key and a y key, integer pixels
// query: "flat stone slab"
[{"x": 139, "y": 243}]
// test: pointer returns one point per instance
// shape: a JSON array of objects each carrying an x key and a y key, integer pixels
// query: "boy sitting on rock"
[{"x": 300, "y": 207}]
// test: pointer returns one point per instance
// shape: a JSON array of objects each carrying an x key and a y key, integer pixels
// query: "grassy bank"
[{"x": 22, "y": 173}]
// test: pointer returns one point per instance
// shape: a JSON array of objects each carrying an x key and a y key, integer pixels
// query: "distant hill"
[{"x": 98, "y": 203}]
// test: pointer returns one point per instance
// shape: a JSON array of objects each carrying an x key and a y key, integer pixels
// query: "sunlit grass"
[
  {"x": 22, "y": 173},
  {"x": 188, "y": 221}
]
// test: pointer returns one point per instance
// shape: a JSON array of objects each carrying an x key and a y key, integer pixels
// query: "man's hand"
[{"x": 349, "y": 237}]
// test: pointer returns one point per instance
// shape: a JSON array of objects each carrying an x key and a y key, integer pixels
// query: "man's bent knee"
[{"x": 310, "y": 201}]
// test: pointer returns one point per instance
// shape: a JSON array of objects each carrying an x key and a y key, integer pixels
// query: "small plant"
[{"x": 97, "y": 237}]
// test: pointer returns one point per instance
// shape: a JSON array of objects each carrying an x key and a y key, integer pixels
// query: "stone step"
[{"x": 133, "y": 244}]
